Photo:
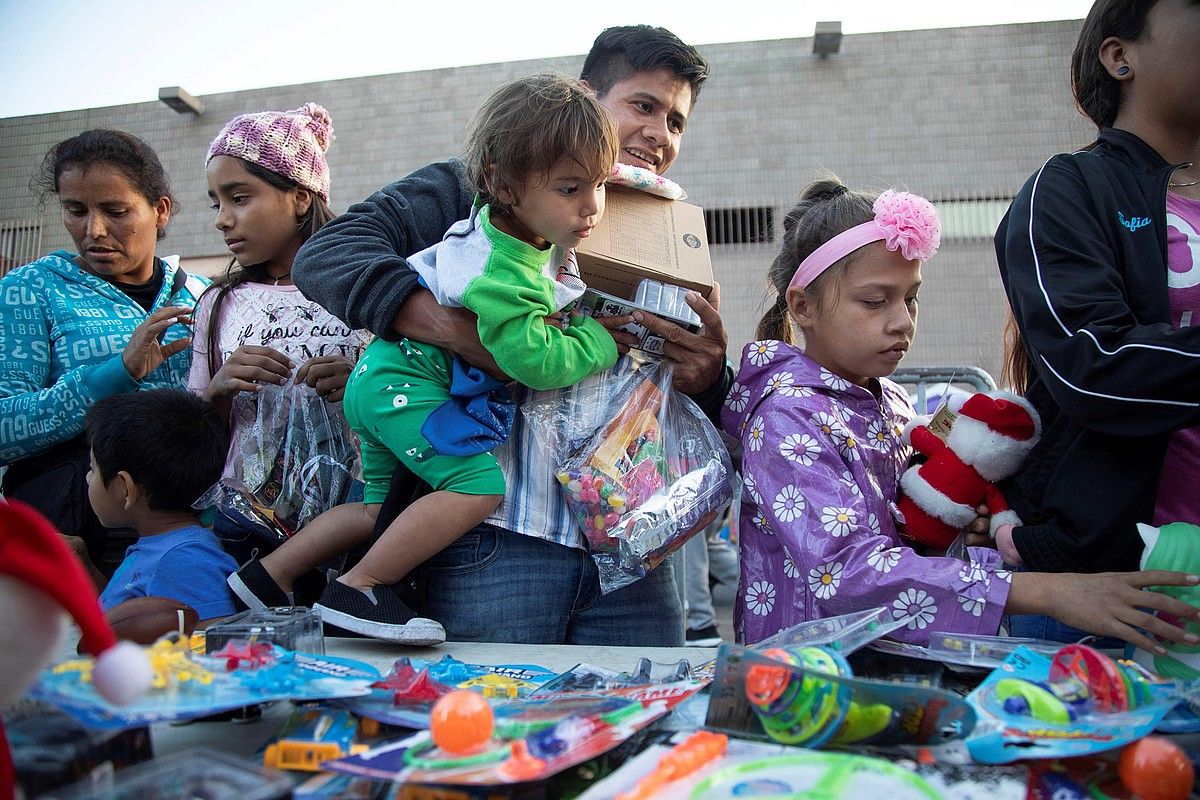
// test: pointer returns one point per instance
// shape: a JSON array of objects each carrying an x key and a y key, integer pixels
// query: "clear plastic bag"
[
  {"x": 647, "y": 473},
  {"x": 298, "y": 460}
]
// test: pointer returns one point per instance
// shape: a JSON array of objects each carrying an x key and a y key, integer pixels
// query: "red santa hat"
[
  {"x": 1004, "y": 414},
  {"x": 994, "y": 432},
  {"x": 33, "y": 553}
]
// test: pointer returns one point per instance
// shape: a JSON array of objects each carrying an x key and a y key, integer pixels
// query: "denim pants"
[
  {"x": 1039, "y": 626},
  {"x": 492, "y": 585},
  {"x": 707, "y": 554}
]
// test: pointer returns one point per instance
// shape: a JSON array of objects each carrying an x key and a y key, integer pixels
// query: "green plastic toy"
[{"x": 1176, "y": 547}]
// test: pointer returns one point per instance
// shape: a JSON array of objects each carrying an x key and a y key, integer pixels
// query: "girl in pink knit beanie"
[{"x": 269, "y": 183}]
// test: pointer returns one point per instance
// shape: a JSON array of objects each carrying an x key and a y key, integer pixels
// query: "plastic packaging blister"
[
  {"x": 651, "y": 473},
  {"x": 1075, "y": 703},
  {"x": 297, "y": 461},
  {"x": 292, "y": 628},
  {"x": 845, "y": 633},
  {"x": 195, "y": 773},
  {"x": 807, "y": 697},
  {"x": 667, "y": 299},
  {"x": 983, "y": 651}
]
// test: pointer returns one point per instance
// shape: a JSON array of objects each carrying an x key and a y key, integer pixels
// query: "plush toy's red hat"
[
  {"x": 1008, "y": 416},
  {"x": 33, "y": 553}
]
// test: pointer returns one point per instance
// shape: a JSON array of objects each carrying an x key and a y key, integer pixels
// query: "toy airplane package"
[
  {"x": 531, "y": 740},
  {"x": 1075, "y": 703},
  {"x": 407, "y": 693},
  {"x": 188, "y": 685}
]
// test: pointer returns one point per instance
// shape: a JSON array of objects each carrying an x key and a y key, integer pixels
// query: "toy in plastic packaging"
[
  {"x": 187, "y": 685},
  {"x": 199, "y": 772},
  {"x": 711, "y": 768},
  {"x": 313, "y": 735},
  {"x": 806, "y": 696},
  {"x": 1175, "y": 547},
  {"x": 653, "y": 473},
  {"x": 965, "y": 652},
  {"x": 845, "y": 633},
  {"x": 405, "y": 696},
  {"x": 469, "y": 745},
  {"x": 51, "y": 748},
  {"x": 290, "y": 627},
  {"x": 591, "y": 678},
  {"x": 1077, "y": 702},
  {"x": 295, "y": 462}
]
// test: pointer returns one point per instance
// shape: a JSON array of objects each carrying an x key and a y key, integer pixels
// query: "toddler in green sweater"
[{"x": 538, "y": 153}]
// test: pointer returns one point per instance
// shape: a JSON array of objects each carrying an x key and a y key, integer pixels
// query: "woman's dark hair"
[
  {"x": 136, "y": 160},
  {"x": 825, "y": 209},
  {"x": 1097, "y": 93},
  {"x": 313, "y": 220},
  {"x": 1016, "y": 371}
]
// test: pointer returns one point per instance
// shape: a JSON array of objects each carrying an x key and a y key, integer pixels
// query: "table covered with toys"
[{"x": 826, "y": 709}]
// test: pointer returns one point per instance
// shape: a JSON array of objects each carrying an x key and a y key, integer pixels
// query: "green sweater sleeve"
[{"x": 512, "y": 302}]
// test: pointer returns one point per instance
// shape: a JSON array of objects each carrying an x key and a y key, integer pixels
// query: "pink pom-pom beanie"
[{"x": 290, "y": 143}]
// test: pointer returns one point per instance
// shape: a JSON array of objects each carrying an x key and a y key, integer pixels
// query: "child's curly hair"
[{"x": 527, "y": 125}]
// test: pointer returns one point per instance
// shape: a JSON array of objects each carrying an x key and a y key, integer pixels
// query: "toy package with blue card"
[{"x": 1075, "y": 703}]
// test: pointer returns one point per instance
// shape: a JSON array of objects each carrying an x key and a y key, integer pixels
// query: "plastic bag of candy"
[
  {"x": 297, "y": 460},
  {"x": 652, "y": 473}
]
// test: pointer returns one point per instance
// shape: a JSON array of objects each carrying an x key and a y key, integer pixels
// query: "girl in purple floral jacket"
[{"x": 823, "y": 453}]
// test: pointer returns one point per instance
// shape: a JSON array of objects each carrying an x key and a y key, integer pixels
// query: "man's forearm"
[
  {"x": 423, "y": 319},
  {"x": 453, "y": 329}
]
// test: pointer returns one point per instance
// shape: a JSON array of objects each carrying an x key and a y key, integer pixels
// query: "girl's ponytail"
[
  {"x": 775, "y": 323},
  {"x": 826, "y": 208}
]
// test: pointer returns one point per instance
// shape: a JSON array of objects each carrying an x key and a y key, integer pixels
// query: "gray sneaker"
[{"x": 702, "y": 637}]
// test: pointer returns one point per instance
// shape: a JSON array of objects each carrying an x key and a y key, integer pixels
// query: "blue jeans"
[
  {"x": 1038, "y": 626},
  {"x": 493, "y": 585}
]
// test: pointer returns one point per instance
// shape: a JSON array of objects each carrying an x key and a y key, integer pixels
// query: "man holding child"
[{"x": 525, "y": 575}]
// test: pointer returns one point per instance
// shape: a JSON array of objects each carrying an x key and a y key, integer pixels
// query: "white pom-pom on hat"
[{"x": 34, "y": 554}]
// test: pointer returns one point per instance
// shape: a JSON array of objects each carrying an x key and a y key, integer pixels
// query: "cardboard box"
[{"x": 644, "y": 236}]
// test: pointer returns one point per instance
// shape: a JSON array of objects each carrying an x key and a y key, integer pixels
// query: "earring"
[{"x": 1122, "y": 70}]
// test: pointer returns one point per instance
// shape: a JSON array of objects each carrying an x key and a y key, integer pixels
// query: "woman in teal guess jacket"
[{"x": 75, "y": 327}]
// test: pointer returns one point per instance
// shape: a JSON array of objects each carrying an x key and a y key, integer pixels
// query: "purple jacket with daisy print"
[{"x": 822, "y": 464}]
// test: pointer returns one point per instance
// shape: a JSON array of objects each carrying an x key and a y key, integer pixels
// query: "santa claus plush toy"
[
  {"x": 41, "y": 582},
  {"x": 991, "y": 436}
]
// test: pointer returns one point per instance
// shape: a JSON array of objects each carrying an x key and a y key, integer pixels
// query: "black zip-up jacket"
[{"x": 1083, "y": 257}]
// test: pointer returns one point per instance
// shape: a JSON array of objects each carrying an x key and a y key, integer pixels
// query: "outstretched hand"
[
  {"x": 145, "y": 351},
  {"x": 698, "y": 358},
  {"x": 1109, "y": 603}
]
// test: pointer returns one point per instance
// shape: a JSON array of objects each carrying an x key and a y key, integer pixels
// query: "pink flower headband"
[{"x": 903, "y": 221}]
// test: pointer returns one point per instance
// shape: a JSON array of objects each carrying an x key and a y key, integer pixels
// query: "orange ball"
[
  {"x": 1154, "y": 768},
  {"x": 461, "y": 722}
]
